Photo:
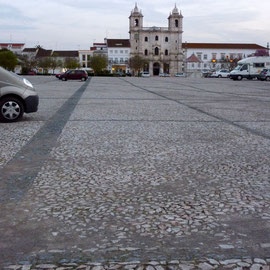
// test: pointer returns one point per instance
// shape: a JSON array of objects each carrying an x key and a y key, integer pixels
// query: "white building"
[
  {"x": 84, "y": 58},
  {"x": 218, "y": 55},
  {"x": 161, "y": 46},
  {"x": 118, "y": 55},
  {"x": 16, "y": 48}
]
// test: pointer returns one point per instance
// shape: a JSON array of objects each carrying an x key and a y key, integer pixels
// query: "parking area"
[{"x": 172, "y": 171}]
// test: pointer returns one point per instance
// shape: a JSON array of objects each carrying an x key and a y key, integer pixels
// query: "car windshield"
[{"x": 238, "y": 67}]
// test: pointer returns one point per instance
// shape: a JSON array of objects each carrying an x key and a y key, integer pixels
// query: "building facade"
[
  {"x": 161, "y": 46},
  {"x": 118, "y": 55},
  {"x": 215, "y": 56}
]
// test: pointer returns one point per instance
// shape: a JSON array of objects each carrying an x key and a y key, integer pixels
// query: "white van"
[{"x": 250, "y": 68}]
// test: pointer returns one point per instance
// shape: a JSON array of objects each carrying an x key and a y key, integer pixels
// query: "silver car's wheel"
[
  {"x": 267, "y": 78},
  {"x": 11, "y": 109}
]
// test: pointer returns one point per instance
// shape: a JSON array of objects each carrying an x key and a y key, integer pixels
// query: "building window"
[
  {"x": 121, "y": 60},
  {"x": 223, "y": 56},
  {"x": 126, "y": 51},
  {"x": 88, "y": 57},
  {"x": 146, "y": 39},
  {"x": 121, "y": 51},
  {"x": 214, "y": 56},
  {"x": 116, "y": 60},
  {"x": 166, "y": 39},
  {"x": 146, "y": 52},
  {"x": 205, "y": 57},
  {"x": 205, "y": 65},
  {"x": 176, "y": 23},
  {"x": 136, "y": 22},
  {"x": 115, "y": 51},
  {"x": 166, "y": 52},
  {"x": 83, "y": 57},
  {"x": 111, "y": 51},
  {"x": 192, "y": 65},
  {"x": 156, "y": 51},
  {"x": 199, "y": 55},
  {"x": 156, "y": 38}
]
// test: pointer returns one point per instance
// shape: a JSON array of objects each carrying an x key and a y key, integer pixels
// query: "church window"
[
  {"x": 146, "y": 39},
  {"x": 166, "y": 52},
  {"x": 136, "y": 22},
  {"x": 146, "y": 52},
  {"x": 166, "y": 39},
  {"x": 156, "y": 38},
  {"x": 176, "y": 23},
  {"x": 156, "y": 51}
]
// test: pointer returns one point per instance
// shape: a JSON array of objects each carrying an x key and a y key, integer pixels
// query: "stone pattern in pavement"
[{"x": 137, "y": 176}]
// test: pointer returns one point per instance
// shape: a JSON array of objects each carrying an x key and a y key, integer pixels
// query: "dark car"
[
  {"x": 17, "y": 96},
  {"x": 58, "y": 75},
  {"x": 31, "y": 73},
  {"x": 264, "y": 75},
  {"x": 74, "y": 74}
]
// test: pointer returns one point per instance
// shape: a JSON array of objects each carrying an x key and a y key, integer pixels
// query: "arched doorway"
[{"x": 156, "y": 68}]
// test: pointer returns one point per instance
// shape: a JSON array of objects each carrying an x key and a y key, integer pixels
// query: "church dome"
[{"x": 175, "y": 10}]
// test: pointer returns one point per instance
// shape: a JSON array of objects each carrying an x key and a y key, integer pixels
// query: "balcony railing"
[{"x": 155, "y": 28}]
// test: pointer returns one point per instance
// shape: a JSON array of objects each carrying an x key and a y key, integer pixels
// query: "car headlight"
[{"x": 26, "y": 82}]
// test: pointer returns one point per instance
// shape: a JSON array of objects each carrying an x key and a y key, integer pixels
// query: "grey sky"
[{"x": 69, "y": 24}]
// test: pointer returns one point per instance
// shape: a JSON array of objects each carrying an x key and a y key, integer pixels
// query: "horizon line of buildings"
[{"x": 197, "y": 56}]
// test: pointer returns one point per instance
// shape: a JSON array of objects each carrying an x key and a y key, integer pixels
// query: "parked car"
[
  {"x": 58, "y": 75},
  {"x": 31, "y": 73},
  {"x": 180, "y": 75},
  {"x": 264, "y": 75},
  {"x": 17, "y": 96},
  {"x": 145, "y": 74},
  {"x": 223, "y": 73},
  {"x": 206, "y": 73},
  {"x": 74, "y": 74}
]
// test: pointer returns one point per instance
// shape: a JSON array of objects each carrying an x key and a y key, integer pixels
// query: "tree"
[
  {"x": 45, "y": 63},
  {"x": 53, "y": 64},
  {"x": 8, "y": 59},
  {"x": 71, "y": 63},
  {"x": 98, "y": 63},
  {"x": 137, "y": 63}
]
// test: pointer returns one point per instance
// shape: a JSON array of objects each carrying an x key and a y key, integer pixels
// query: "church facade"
[{"x": 161, "y": 46}]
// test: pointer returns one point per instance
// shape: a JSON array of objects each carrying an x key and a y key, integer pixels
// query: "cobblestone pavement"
[{"x": 138, "y": 173}]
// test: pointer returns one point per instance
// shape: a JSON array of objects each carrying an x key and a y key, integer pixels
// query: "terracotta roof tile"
[
  {"x": 193, "y": 59},
  {"x": 65, "y": 54}
]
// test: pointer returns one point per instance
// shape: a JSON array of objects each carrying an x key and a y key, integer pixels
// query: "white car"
[
  {"x": 223, "y": 73},
  {"x": 145, "y": 74}
]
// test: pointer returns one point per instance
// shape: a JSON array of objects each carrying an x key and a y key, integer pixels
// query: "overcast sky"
[{"x": 76, "y": 24}]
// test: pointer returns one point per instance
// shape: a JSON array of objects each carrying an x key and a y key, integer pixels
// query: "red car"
[
  {"x": 74, "y": 74},
  {"x": 31, "y": 73}
]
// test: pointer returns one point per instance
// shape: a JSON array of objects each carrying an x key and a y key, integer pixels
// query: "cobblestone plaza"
[{"x": 138, "y": 173}]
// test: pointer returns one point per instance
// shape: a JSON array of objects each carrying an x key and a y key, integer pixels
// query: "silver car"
[{"x": 17, "y": 96}]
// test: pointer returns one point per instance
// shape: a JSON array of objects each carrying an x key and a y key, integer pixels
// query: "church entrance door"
[{"x": 156, "y": 68}]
